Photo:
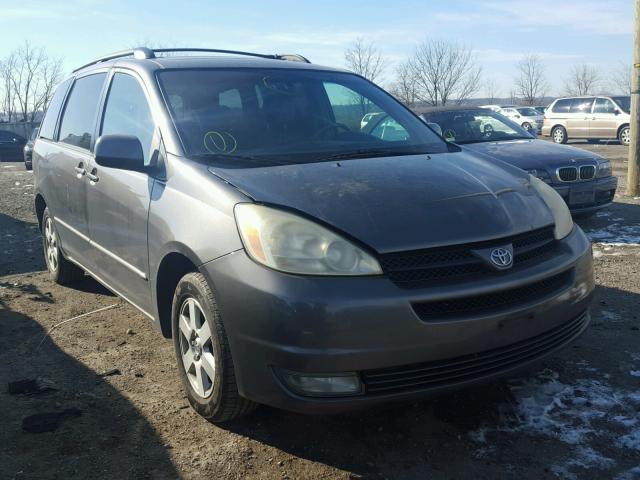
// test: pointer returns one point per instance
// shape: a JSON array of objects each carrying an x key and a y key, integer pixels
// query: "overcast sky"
[{"x": 562, "y": 32}]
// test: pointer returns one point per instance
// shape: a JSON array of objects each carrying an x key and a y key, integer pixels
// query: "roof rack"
[{"x": 147, "y": 53}]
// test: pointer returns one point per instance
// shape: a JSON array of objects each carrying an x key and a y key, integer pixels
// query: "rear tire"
[
  {"x": 61, "y": 270},
  {"x": 559, "y": 135},
  {"x": 527, "y": 126},
  {"x": 624, "y": 135},
  {"x": 205, "y": 364}
]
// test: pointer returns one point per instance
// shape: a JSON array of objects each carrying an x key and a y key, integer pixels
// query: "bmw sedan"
[{"x": 583, "y": 179}]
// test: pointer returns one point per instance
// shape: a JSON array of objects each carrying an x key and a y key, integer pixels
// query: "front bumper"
[
  {"x": 275, "y": 321},
  {"x": 603, "y": 190}
]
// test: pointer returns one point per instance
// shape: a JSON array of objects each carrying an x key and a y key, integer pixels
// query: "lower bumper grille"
[
  {"x": 455, "y": 370},
  {"x": 494, "y": 302}
]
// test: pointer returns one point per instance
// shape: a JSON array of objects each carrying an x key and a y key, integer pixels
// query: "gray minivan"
[{"x": 297, "y": 255}]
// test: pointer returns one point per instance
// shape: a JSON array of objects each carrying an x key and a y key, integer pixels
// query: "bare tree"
[
  {"x": 404, "y": 88},
  {"x": 8, "y": 99},
  {"x": 531, "y": 83},
  {"x": 30, "y": 75},
  {"x": 582, "y": 80},
  {"x": 491, "y": 90},
  {"x": 365, "y": 59},
  {"x": 444, "y": 72},
  {"x": 621, "y": 79}
]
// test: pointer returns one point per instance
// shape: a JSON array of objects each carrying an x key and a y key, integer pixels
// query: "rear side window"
[
  {"x": 562, "y": 106},
  {"x": 78, "y": 119},
  {"x": 604, "y": 105},
  {"x": 127, "y": 112},
  {"x": 581, "y": 105},
  {"x": 48, "y": 126}
]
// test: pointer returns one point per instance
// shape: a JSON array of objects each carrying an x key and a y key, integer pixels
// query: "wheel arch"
[
  {"x": 620, "y": 129},
  {"x": 174, "y": 265}
]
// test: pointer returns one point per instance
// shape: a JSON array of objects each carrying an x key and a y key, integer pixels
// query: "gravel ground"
[{"x": 576, "y": 416}]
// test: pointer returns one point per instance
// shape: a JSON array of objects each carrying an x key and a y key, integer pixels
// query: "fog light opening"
[{"x": 322, "y": 385}]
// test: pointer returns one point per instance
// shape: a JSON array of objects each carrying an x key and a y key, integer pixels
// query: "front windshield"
[
  {"x": 624, "y": 103},
  {"x": 478, "y": 125},
  {"x": 528, "y": 112},
  {"x": 289, "y": 116}
]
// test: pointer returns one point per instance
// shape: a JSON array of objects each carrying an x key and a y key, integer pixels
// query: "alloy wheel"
[
  {"x": 625, "y": 136},
  {"x": 558, "y": 135},
  {"x": 196, "y": 347},
  {"x": 51, "y": 245}
]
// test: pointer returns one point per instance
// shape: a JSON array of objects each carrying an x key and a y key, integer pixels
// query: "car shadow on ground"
[
  {"x": 20, "y": 246},
  {"x": 439, "y": 435},
  {"x": 110, "y": 439}
]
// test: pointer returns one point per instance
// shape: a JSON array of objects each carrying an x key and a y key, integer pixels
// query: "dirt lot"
[{"x": 576, "y": 416}]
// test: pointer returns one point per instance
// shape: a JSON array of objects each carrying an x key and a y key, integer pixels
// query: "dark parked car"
[
  {"x": 583, "y": 179},
  {"x": 11, "y": 145},
  {"x": 28, "y": 149},
  {"x": 313, "y": 262}
]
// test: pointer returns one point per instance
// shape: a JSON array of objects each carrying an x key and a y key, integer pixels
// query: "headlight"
[
  {"x": 541, "y": 174},
  {"x": 289, "y": 243},
  {"x": 561, "y": 214},
  {"x": 604, "y": 169}
]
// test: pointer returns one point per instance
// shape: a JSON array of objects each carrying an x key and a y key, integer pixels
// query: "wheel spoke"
[
  {"x": 209, "y": 365},
  {"x": 187, "y": 360},
  {"x": 192, "y": 314},
  {"x": 204, "y": 332},
  {"x": 200, "y": 385},
  {"x": 185, "y": 327}
]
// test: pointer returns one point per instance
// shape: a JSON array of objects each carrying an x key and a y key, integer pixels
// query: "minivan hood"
[
  {"x": 403, "y": 202},
  {"x": 530, "y": 154}
]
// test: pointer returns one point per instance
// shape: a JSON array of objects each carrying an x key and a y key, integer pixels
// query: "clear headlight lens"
[
  {"x": 561, "y": 213},
  {"x": 290, "y": 243},
  {"x": 604, "y": 169}
]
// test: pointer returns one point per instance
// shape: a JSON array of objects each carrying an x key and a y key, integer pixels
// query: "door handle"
[
  {"x": 93, "y": 178},
  {"x": 80, "y": 171}
]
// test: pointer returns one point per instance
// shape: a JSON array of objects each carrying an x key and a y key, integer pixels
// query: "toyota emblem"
[{"x": 501, "y": 257}]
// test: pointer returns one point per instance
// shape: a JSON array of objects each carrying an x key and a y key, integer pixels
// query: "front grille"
[
  {"x": 491, "y": 303},
  {"x": 421, "y": 268},
  {"x": 568, "y": 174},
  {"x": 587, "y": 172},
  {"x": 441, "y": 373}
]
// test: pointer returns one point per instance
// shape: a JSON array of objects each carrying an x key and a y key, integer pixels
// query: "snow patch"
[
  {"x": 635, "y": 373},
  {"x": 616, "y": 234}
]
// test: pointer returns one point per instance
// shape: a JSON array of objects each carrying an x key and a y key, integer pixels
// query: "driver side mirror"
[
  {"x": 517, "y": 116},
  {"x": 616, "y": 112},
  {"x": 120, "y": 151}
]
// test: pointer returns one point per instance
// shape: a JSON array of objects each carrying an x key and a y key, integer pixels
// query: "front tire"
[
  {"x": 527, "y": 126},
  {"x": 559, "y": 135},
  {"x": 61, "y": 270},
  {"x": 205, "y": 364},
  {"x": 624, "y": 135}
]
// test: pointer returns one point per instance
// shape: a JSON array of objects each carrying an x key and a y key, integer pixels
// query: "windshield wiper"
[
  {"x": 238, "y": 157},
  {"x": 365, "y": 153}
]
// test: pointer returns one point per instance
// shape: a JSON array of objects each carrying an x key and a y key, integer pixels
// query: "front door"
[
  {"x": 64, "y": 164},
  {"x": 118, "y": 200},
  {"x": 604, "y": 120}
]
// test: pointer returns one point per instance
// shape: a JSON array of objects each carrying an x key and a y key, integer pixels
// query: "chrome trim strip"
[
  {"x": 71, "y": 229},
  {"x": 121, "y": 261},
  {"x": 109, "y": 286}
]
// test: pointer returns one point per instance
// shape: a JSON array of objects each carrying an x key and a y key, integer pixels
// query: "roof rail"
[{"x": 146, "y": 53}]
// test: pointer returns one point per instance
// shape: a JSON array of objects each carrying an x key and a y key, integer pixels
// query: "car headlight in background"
[
  {"x": 561, "y": 214},
  {"x": 541, "y": 174},
  {"x": 604, "y": 169},
  {"x": 290, "y": 243}
]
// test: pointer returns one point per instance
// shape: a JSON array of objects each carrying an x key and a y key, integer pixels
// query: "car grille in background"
[
  {"x": 421, "y": 268},
  {"x": 459, "y": 369},
  {"x": 568, "y": 174},
  {"x": 587, "y": 172},
  {"x": 494, "y": 302}
]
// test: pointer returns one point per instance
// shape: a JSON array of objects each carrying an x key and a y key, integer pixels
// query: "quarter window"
[
  {"x": 562, "y": 106},
  {"x": 127, "y": 112},
  {"x": 48, "y": 126},
  {"x": 78, "y": 120}
]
